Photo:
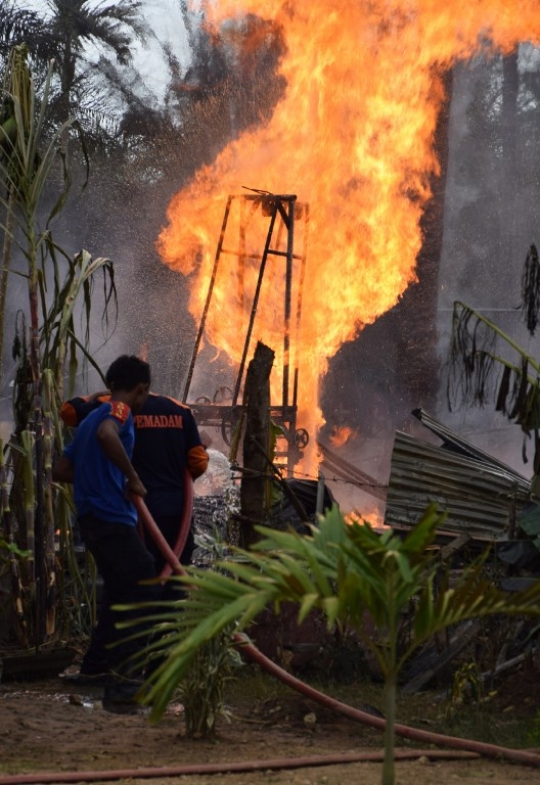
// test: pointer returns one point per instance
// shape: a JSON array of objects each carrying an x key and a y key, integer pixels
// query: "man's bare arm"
[
  {"x": 109, "y": 440},
  {"x": 63, "y": 470}
]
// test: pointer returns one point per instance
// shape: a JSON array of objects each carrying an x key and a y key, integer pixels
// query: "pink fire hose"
[
  {"x": 462, "y": 748},
  {"x": 172, "y": 555},
  {"x": 414, "y": 734},
  {"x": 183, "y": 531}
]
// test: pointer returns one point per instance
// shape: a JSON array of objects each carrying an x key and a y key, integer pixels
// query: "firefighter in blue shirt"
[
  {"x": 167, "y": 442},
  {"x": 98, "y": 463}
]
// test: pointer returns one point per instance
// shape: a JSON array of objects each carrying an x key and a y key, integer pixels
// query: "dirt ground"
[{"x": 53, "y": 726}]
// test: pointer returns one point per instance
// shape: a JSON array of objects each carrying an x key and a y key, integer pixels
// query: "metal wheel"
[
  {"x": 223, "y": 394},
  {"x": 301, "y": 438}
]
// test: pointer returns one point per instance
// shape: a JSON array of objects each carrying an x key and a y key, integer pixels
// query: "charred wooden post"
[{"x": 257, "y": 424}]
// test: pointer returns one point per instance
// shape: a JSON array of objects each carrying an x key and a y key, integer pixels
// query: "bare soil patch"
[{"x": 54, "y": 726}]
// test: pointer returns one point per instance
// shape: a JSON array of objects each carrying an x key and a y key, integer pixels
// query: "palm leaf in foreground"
[
  {"x": 337, "y": 570},
  {"x": 345, "y": 571}
]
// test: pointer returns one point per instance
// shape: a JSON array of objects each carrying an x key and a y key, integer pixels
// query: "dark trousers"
[
  {"x": 169, "y": 526},
  {"x": 123, "y": 562}
]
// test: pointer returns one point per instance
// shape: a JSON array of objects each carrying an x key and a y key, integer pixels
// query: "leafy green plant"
[
  {"x": 202, "y": 689},
  {"x": 467, "y": 685},
  {"x": 346, "y": 571},
  {"x": 32, "y": 155}
]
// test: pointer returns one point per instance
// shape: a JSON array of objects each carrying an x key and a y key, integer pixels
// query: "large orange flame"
[{"x": 353, "y": 136}]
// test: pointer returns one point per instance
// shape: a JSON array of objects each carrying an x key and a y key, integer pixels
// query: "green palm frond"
[
  {"x": 337, "y": 570},
  {"x": 363, "y": 571},
  {"x": 345, "y": 571}
]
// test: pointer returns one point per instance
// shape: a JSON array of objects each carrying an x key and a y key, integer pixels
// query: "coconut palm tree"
[
  {"x": 19, "y": 25},
  {"x": 77, "y": 24},
  {"x": 66, "y": 32}
]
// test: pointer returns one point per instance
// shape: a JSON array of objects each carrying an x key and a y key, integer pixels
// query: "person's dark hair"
[{"x": 126, "y": 372}]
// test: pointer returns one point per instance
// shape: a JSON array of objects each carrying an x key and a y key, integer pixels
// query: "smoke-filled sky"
[{"x": 167, "y": 30}]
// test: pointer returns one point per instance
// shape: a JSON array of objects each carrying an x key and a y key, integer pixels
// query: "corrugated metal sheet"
[
  {"x": 451, "y": 441},
  {"x": 479, "y": 498}
]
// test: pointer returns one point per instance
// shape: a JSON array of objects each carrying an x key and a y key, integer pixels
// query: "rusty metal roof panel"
[
  {"x": 479, "y": 498},
  {"x": 451, "y": 441}
]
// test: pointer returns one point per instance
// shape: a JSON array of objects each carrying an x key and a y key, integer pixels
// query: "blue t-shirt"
[{"x": 99, "y": 486}]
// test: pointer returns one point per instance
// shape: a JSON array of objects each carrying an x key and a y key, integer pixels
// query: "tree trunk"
[
  {"x": 389, "y": 766},
  {"x": 256, "y": 460},
  {"x": 512, "y": 252},
  {"x": 4, "y": 276}
]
